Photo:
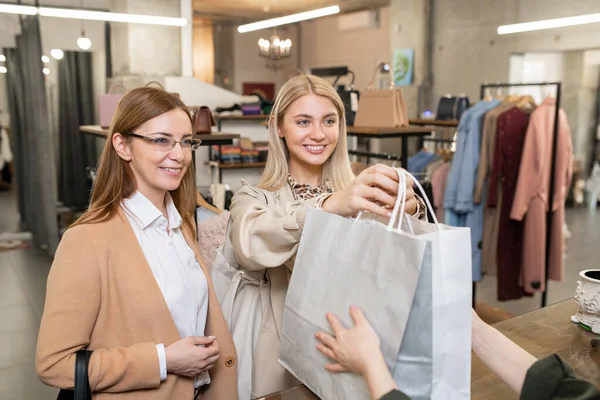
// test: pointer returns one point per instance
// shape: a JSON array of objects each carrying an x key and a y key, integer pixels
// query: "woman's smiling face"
[{"x": 311, "y": 128}]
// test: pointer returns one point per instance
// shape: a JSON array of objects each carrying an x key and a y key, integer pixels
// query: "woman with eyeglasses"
[{"x": 127, "y": 281}]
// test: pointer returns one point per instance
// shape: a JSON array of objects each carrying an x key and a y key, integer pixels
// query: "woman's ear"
[
  {"x": 280, "y": 133},
  {"x": 121, "y": 147}
]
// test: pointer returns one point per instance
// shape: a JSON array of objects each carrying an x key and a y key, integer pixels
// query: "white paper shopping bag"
[
  {"x": 342, "y": 262},
  {"x": 433, "y": 361}
]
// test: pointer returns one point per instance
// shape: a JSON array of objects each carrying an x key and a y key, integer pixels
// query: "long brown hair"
[
  {"x": 115, "y": 180},
  {"x": 337, "y": 168}
]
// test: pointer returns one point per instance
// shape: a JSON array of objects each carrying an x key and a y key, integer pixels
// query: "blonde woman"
[{"x": 308, "y": 166}]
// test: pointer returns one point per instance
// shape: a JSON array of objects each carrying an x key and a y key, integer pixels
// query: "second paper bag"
[{"x": 341, "y": 262}]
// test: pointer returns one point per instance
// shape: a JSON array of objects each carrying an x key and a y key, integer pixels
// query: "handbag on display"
[
  {"x": 452, "y": 107},
  {"x": 381, "y": 108},
  {"x": 107, "y": 105},
  {"x": 81, "y": 389},
  {"x": 350, "y": 97},
  {"x": 203, "y": 121}
]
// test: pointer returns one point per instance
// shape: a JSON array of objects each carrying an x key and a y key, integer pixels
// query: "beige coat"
[
  {"x": 265, "y": 234},
  {"x": 102, "y": 295}
]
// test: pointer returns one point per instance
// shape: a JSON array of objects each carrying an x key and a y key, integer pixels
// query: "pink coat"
[{"x": 531, "y": 196}]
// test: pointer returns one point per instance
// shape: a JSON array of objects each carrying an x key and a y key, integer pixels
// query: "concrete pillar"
[
  {"x": 187, "y": 32},
  {"x": 411, "y": 28},
  {"x": 145, "y": 52}
]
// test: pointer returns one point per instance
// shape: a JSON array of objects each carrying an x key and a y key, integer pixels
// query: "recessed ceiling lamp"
[
  {"x": 290, "y": 19},
  {"x": 3, "y": 70},
  {"x": 549, "y": 24},
  {"x": 92, "y": 15},
  {"x": 45, "y": 59},
  {"x": 46, "y": 71},
  {"x": 2, "y": 58},
  {"x": 57, "y": 54}
]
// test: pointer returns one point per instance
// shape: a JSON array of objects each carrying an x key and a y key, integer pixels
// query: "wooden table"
[
  {"x": 541, "y": 332},
  {"x": 405, "y": 133}
]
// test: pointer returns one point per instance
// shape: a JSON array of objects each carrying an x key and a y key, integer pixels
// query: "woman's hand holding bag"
[{"x": 374, "y": 190}]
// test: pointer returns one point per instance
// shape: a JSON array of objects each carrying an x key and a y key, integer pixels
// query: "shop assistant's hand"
[
  {"x": 192, "y": 355},
  {"x": 352, "y": 350},
  {"x": 374, "y": 190},
  {"x": 357, "y": 350}
]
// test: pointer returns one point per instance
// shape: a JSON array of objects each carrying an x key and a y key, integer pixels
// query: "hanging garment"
[
  {"x": 531, "y": 199},
  {"x": 438, "y": 187},
  {"x": 418, "y": 163},
  {"x": 458, "y": 199},
  {"x": 490, "y": 216},
  {"x": 512, "y": 128},
  {"x": 431, "y": 168}
]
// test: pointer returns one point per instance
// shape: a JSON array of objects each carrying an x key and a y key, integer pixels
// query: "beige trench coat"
[{"x": 265, "y": 234}]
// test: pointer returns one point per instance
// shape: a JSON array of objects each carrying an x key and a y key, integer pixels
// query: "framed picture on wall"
[
  {"x": 403, "y": 66},
  {"x": 266, "y": 90}
]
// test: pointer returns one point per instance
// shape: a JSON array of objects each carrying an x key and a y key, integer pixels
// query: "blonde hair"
[
  {"x": 337, "y": 169},
  {"x": 115, "y": 180}
]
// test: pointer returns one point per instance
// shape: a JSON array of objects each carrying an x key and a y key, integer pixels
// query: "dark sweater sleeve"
[
  {"x": 395, "y": 395},
  {"x": 553, "y": 379}
]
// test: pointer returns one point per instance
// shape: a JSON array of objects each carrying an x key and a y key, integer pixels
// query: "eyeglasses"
[{"x": 165, "y": 143}]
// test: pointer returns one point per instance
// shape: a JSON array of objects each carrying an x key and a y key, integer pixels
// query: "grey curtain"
[
  {"x": 76, "y": 107},
  {"x": 34, "y": 153}
]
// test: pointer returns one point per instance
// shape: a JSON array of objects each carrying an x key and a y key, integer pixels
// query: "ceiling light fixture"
[
  {"x": 3, "y": 70},
  {"x": 110, "y": 16},
  {"x": 549, "y": 24},
  {"x": 274, "y": 48},
  {"x": 45, "y": 59},
  {"x": 57, "y": 54},
  {"x": 2, "y": 58},
  {"x": 290, "y": 19},
  {"x": 46, "y": 71},
  {"x": 84, "y": 42},
  {"x": 92, "y": 15},
  {"x": 16, "y": 9}
]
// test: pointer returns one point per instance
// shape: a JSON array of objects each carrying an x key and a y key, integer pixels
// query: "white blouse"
[{"x": 174, "y": 265}]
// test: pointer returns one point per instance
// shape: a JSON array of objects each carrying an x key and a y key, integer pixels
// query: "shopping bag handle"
[
  {"x": 400, "y": 205},
  {"x": 401, "y": 201}
]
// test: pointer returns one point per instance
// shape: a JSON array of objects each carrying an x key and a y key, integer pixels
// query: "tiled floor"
[
  {"x": 22, "y": 291},
  {"x": 23, "y": 276}
]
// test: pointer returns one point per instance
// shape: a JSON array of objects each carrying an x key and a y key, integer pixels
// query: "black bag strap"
[{"x": 82, "y": 384}]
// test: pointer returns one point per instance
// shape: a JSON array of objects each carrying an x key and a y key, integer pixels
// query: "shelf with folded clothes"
[{"x": 245, "y": 154}]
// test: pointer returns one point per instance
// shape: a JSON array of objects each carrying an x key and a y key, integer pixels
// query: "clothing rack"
[{"x": 548, "y": 238}]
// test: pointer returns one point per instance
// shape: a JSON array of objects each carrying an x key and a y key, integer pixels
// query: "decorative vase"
[{"x": 587, "y": 297}]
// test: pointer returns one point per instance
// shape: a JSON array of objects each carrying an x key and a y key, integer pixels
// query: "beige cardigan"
[
  {"x": 265, "y": 234},
  {"x": 102, "y": 296}
]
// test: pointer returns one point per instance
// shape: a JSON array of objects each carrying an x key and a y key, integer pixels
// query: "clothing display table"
[{"x": 541, "y": 332}]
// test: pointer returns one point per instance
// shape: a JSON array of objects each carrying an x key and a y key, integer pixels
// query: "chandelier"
[{"x": 274, "y": 48}]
